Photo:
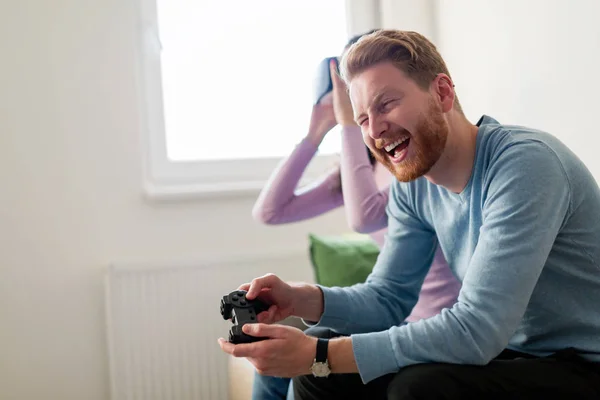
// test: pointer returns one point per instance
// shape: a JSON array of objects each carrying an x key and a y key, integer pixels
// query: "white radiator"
[{"x": 163, "y": 325}]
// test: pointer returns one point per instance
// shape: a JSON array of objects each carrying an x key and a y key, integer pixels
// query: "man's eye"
[
  {"x": 386, "y": 103},
  {"x": 362, "y": 122}
]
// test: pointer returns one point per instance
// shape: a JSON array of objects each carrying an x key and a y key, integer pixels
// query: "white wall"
[
  {"x": 71, "y": 196},
  {"x": 410, "y": 15},
  {"x": 532, "y": 62}
]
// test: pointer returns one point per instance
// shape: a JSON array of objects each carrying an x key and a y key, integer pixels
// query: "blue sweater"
[{"x": 524, "y": 239}]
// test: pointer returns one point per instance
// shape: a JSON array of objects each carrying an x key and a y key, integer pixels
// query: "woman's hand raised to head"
[
  {"x": 322, "y": 120},
  {"x": 342, "y": 107}
]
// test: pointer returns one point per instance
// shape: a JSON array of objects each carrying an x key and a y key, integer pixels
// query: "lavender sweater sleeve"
[
  {"x": 282, "y": 202},
  {"x": 365, "y": 203}
]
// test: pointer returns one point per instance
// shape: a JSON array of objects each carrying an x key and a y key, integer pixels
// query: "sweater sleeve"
[
  {"x": 365, "y": 203},
  {"x": 281, "y": 201},
  {"x": 527, "y": 202}
]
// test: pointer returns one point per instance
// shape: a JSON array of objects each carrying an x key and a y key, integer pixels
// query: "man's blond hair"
[{"x": 410, "y": 52}]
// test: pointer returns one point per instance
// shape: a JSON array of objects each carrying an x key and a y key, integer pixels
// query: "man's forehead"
[
  {"x": 374, "y": 81},
  {"x": 362, "y": 90}
]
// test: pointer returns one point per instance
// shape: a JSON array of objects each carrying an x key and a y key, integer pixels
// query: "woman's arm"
[
  {"x": 365, "y": 202},
  {"x": 279, "y": 202}
]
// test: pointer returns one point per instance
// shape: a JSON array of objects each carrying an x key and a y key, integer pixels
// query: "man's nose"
[{"x": 377, "y": 128}]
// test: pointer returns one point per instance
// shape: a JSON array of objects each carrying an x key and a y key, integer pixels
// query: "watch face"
[{"x": 320, "y": 369}]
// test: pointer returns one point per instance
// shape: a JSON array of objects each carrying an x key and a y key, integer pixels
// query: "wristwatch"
[{"x": 320, "y": 366}]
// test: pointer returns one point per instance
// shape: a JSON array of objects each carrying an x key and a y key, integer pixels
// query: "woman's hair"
[{"x": 372, "y": 159}]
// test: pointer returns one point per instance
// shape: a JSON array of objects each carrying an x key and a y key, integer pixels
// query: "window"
[{"x": 227, "y": 88}]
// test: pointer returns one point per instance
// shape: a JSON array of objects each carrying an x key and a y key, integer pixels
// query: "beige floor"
[{"x": 241, "y": 375}]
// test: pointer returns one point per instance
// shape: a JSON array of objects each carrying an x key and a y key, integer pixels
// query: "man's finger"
[
  {"x": 245, "y": 287},
  {"x": 258, "y": 284},
  {"x": 226, "y": 346},
  {"x": 239, "y": 350},
  {"x": 272, "y": 312},
  {"x": 268, "y": 316},
  {"x": 266, "y": 330}
]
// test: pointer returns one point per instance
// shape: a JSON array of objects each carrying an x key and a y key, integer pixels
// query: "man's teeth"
[{"x": 392, "y": 146}]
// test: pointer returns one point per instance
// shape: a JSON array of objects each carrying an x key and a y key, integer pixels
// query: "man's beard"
[{"x": 427, "y": 143}]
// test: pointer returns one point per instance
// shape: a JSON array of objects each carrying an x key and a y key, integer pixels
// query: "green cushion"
[{"x": 342, "y": 260}]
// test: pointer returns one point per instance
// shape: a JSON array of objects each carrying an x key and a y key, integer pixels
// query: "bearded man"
[{"x": 517, "y": 216}]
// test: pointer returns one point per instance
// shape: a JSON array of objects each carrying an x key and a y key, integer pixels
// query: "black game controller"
[{"x": 241, "y": 311}]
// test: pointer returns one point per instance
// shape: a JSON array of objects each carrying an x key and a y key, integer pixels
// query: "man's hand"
[
  {"x": 299, "y": 299},
  {"x": 272, "y": 290},
  {"x": 287, "y": 353},
  {"x": 342, "y": 107}
]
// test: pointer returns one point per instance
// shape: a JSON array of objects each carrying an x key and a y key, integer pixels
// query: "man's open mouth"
[{"x": 394, "y": 149}]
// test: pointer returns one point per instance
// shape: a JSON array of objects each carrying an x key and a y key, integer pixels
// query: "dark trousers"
[{"x": 511, "y": 375}]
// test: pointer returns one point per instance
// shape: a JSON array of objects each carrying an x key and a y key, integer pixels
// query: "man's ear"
[{"x": 444, "y": 90}]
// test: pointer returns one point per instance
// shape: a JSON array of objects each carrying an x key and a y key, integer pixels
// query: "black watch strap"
[{"x": 322, "y": 345}]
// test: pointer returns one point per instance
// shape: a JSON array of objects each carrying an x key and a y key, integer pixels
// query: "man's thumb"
[{"x": 264, "y": 330}]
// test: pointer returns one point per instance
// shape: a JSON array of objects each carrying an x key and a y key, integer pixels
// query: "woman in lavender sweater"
[{"x": 361, "y": 185}]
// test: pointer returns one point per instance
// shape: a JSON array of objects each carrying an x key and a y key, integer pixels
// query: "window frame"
[{"x": 167, "y": 179}]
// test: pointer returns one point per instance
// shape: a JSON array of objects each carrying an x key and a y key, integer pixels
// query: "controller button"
[
  {"x": 243, "y": 302},
  {"x": 234, "y": 297}
]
